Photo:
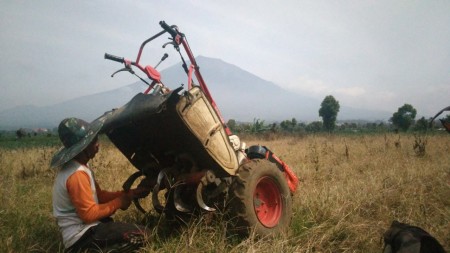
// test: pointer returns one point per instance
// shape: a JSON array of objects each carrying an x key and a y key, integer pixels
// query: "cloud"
[
  {"x": 369, "y": 53},
  {"x": 362, "y": 96},
  {"x": 319, "y": 88},
  {"x": 316, "y": 88},
  {"x": 351, "y": 91}
]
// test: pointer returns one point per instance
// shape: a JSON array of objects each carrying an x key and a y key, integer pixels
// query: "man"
[{"x": 82, "y": 209}]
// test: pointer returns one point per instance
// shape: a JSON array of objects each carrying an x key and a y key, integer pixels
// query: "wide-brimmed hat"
[{"x": 76, "y": 135}]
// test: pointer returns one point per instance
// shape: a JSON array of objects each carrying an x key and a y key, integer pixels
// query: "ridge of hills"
[{"x": 239, "y": 95}]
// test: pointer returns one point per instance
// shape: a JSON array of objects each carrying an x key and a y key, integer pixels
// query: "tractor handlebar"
[
  {"x": 169, "y": 29},
  {"x": 178, "y": 39},
  {"x": 114, "y": 58}
]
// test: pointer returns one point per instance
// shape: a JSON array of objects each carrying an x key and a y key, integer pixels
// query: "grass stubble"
[{"x": 351, "y": 188}]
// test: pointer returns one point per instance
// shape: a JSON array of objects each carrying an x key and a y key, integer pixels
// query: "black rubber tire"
[{"x": 243, "y": 203}]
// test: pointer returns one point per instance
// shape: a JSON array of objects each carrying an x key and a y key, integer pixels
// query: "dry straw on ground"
[{"x": 351, "y": 189}]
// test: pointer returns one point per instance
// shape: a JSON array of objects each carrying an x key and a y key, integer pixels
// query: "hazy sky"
[{"x": 368, "y": 54}]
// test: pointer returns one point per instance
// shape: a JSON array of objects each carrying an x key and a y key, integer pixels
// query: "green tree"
[
  {"x": 421, "y": 125},
  {"x": 289, "y": 125},
  {"x": 404, "y": 117},
  {"x": 314, "y": 126},
  {"x": 285, "y": 125},
  {"x": 294, "y": 122},
  {"x": 232, "y": 125},
  {"x": 258, "y": 126},
  {"x": 21, "y": 133},
  {"x": 328, "y": 111}
]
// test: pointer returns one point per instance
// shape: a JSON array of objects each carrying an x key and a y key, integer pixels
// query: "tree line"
[{"x": 403, "y": 120}]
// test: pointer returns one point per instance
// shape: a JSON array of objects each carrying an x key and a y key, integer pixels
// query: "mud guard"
[{"x": 262, "y": 152}]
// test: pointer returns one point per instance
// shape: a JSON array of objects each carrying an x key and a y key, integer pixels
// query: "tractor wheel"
[{"x": 260, "y": 199}]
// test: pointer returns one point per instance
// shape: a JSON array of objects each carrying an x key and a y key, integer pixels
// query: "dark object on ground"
[{"x": 404, "y": 238}]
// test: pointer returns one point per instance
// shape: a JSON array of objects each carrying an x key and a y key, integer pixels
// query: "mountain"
[
  {"x": 85, "y": 107},
  {"x": 239, "y": 94},
  {"x": 243, "y": 96}
]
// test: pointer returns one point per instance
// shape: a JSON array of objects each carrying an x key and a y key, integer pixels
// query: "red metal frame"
[
  {"x": 155, "y": 76},
  {"x": 196, "y": 69}
]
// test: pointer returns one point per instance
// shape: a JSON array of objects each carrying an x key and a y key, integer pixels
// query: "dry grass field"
[{"x": 352, "y": 187}]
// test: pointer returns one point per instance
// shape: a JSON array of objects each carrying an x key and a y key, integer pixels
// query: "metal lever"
[
  {"x": 170, "y": 43},
  {"x": 123, "y": 69},
  {"x": 162, "y": 59}
]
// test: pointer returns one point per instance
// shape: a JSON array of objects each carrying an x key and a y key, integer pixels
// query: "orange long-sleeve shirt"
[{"x": 79, "y": 189}]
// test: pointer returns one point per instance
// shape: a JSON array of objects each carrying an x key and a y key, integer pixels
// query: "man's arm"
[
  {"x": 79, "y": 189},
  {"x": 106, "y": 196}
]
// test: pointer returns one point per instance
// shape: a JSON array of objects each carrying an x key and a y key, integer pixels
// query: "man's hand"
[
  {"x": 125, "y": 200},
  {"x": 127, "y": 197},
  {"x": 139, "y": 192}
]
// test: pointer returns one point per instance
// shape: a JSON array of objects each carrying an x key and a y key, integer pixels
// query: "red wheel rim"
[{"x": 267, "y": 202}]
